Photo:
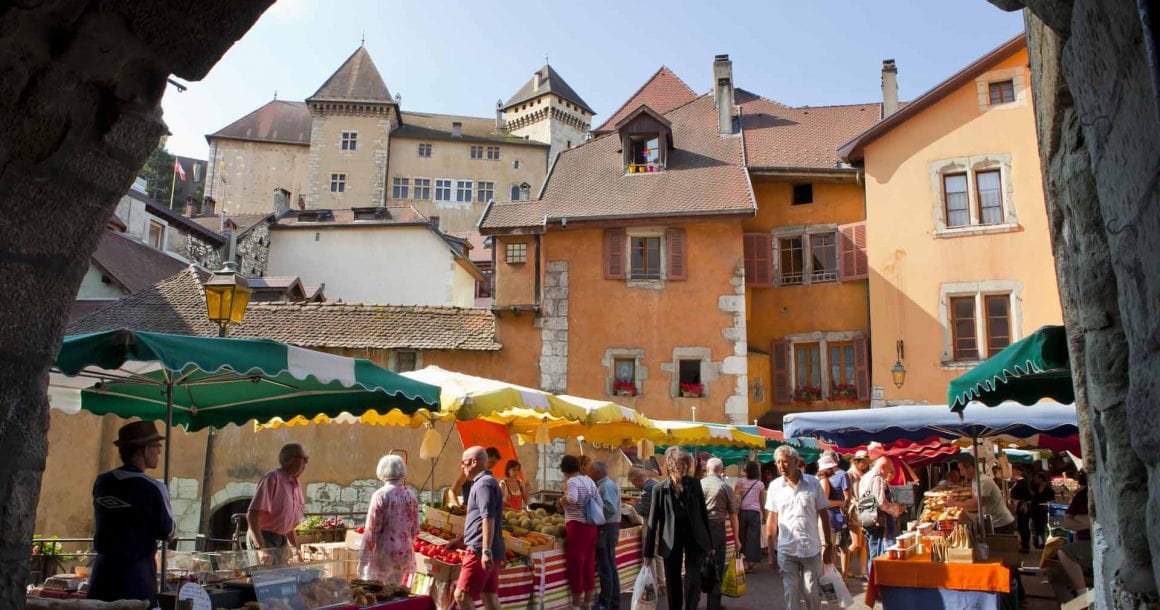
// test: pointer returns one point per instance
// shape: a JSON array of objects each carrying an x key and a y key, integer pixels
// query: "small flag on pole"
[{"x": 178, "y": 170}]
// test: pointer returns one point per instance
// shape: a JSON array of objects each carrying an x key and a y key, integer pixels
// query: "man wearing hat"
[{"x": 132, "y": 513}]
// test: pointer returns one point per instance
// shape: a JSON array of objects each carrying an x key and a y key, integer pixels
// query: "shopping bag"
[
  {"x": 733, "y": 583},
  {"x": 644, "y": 592},
  {"x": 833, "y": 587}
]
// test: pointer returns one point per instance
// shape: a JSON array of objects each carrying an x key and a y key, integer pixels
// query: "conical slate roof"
[
  {"x": 357, "y": 80},
  {"x": 550, "y": 82}
]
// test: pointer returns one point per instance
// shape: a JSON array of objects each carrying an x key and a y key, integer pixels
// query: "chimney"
[
  {"x": 208, "y": 206},
  {"x": 500, "y": 124},
  {"x": 536, "y": 81},
  {"x": 189, "y": 201},
  {"x": 889, "y": 88},
  {"x": 457, "y": 129},
  {"x": 723, "y": 93}
]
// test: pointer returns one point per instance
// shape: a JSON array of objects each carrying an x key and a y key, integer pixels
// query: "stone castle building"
[{"x": 350, "y": 145}]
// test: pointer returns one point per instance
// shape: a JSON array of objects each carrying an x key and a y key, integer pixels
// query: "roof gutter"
[{"x": 564, "y": 219}]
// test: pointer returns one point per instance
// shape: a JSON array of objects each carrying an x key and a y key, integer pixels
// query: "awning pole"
[
  {"x": 165, "y": 473},
  {"x": 978, "y": 487}
]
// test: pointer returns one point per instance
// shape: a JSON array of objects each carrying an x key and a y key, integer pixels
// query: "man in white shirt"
[
  {"x": 796, "y": 503},
  {"x": 994, "y": 503}
]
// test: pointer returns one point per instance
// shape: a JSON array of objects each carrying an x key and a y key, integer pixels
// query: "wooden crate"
[
  {"x": 344, "y": 560},
  {"x": 520, "y": 546},
  {"x": 457, "y": 523},
  {"x": 437, "y": 570},
  {"x": 960, "y": 556},
  {"x": 435, "y": 517}
]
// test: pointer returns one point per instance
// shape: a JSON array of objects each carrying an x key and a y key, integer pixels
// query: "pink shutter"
[
  {"x": 861, "y": 368},
  {"x": 758, "y": 249},
  {"x": 852, "y": 262},
  {"x": 614, "y": 242},
  {"x": 779, "y": 357},
  {"x": 678, "y": 265}
]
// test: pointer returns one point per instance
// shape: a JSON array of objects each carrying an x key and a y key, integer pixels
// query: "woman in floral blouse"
[{"x": 392, "y": 524}]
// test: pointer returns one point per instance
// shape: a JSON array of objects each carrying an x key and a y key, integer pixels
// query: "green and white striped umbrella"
[{"x": 211, "y": 382}]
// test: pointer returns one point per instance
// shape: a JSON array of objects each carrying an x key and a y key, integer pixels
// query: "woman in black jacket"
[{"x": 678, "y": 528}]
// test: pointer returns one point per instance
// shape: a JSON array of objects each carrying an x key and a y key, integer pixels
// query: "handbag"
[
  {"x": 709, "y": 575},
  {"x": 594, "y": 510}
]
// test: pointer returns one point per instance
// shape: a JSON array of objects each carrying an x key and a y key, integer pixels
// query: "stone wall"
[
  {"x": 553, "y": 324},
  {"x": 1098, "y": 113},
  {"x": 202, "y": 252},
  {"x": 254, "y": 250}
]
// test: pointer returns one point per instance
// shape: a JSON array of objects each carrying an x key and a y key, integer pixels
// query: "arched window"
[{"x": 515, "y": 192}]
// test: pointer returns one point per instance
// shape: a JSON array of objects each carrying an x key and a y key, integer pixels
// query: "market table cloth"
[
  {"x": 920, "y": 572},
  {"x": 418, "y": 602}
]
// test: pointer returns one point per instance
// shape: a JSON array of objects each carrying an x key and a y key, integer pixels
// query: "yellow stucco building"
[{"x": 958, "y": 246}]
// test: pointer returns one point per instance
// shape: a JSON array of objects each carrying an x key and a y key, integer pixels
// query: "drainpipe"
[{"x": 538, "y": 255}]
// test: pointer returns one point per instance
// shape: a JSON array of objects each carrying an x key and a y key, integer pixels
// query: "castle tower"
[
  {"x": 546, "y": 109},
  {"x": 352, "y": 115}
]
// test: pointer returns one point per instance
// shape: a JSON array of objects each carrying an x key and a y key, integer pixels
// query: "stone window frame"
[
  {"x": 348, "y": 141},
  {"x": 426, "y": 147},
  {"x": 338, "y": 182},
  {"x": 400, "y": 185},
  {"x": 804, "y": 232},
  {"x": 971, "y": 166},
  {"x": 393, "y": 358},
  {"x": 163, "y": 227},
  {"x": 978, "y": 290},
  {"x": 480, "y": 190},
  {"x": 449, "y": 186},
  {"x": 710, "y": 370},
  {"x": 823, "y": 339},
  {"x": 654, "y": 283},
  {"x": 611, "y": 355},
  {"x": 492, "y": 153},
  {"x": 415, "y": 186},
  {"x": 1018, "y": 78},
  {"x": 464, "y": 190},
  {"x": 475, "y": 152}
]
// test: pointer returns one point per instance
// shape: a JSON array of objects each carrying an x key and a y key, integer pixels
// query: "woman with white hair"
[
  {"x": 876, "y": 483},
  {"x": 678, "y": 530},
  {"x": 392, "y": 524}
]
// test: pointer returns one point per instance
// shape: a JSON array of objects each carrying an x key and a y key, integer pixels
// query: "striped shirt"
[{"x": 577, "y": 490}]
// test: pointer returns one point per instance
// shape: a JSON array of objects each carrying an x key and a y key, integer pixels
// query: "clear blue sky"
[{"x": 460, "y": 56}]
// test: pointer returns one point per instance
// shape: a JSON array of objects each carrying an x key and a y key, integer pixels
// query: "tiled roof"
[
  {"x": 394, "y": 215},
  {"x": 550, "y": 82},
  {"x": 279, "y": 121},
  {"x": 426, "y": 126},
  {"x": 705, "y": 175},
  {"x": 356, "y": 80},
  {"x": 131, "y": 264},
  {"x": 777, "y": 136},
  {"x": 177, "y": 306},
  {"x": 853, "y": 148},
  {"x": 479, "y": 249},
  {"x": 244, "y": 222},
  {"x": 182, "y": 222},
  {"x": 662, "y": 92},
  {"x": 85, "y": 307}
]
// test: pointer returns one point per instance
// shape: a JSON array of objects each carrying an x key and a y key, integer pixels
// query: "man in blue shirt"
[
  {"x": 482, "y": 534},
  {"x": 132, "y": 513},
  {"x": 607, "y": 536}
]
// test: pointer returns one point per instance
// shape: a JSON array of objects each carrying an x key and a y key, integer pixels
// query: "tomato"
[{"x": 361, "y": 530}]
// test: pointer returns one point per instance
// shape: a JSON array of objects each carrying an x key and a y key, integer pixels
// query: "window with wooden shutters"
[
  {"x": 677, "y": 254},
  {"x": 614, "y": 243},
  {"x": 862, "y": 368},
  {"x": 962, "y": 317},
  {"x": 841, "y": 363},
  {"x": 779, "y": 357},
  {"x": 644, "y": 254},
  {"x": 852, "y": 261},
  {"x": 758, "y": 249},
  {"x": 823, "y": 257}
]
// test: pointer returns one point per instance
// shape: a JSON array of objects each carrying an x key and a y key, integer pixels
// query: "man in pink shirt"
[{"x": 278, "y": 506}]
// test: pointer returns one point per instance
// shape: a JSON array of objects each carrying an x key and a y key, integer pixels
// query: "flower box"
[
  {"x": 844, "y": 391},
  {"x": 807, "y": 394},
  {"x": 692, "y": 390},
  {"x": 624, "y": 388}
]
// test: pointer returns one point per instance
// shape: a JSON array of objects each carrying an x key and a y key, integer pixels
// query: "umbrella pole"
[
  {"x": 978, "y": 486},
  {"x": 165, "y": 471}
]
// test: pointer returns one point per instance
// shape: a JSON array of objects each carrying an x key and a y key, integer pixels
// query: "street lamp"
[
  {"x": 898, "y": 372},
  {"x": 226, "y": 296}
]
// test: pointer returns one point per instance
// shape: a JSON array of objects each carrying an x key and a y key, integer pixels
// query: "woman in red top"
[{"x": 513, "y": 486}]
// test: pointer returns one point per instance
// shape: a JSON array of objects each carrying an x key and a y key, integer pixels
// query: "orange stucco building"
[
  {"x": 957, "y": 238},
  {"x": 670, "y": 254}
]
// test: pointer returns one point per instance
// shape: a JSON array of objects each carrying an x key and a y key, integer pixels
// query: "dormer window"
[
  {"x": 646, "y": 137},
  {"x": 316, "y": 215},
  {"x": 376, "y": 213},
  {"x": 645, "y": 155}
]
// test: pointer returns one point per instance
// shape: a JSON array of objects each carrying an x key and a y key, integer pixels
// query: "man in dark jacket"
[{"x": 132, "y": 513}]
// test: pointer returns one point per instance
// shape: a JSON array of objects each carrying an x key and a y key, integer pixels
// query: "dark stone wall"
[{"x": 1099, "y": 136}]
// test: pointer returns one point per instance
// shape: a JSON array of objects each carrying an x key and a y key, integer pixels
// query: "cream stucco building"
[{"x": 351, "y": 145}]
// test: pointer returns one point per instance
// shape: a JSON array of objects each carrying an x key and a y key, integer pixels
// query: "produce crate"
[
  {"x": 437, "y": 570},
  {"x": 457, "y": 522},
  {"x": 344, "y": 560},
  {"x": 435, "y": 517},
  {"x": 519, "y": 546}
]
